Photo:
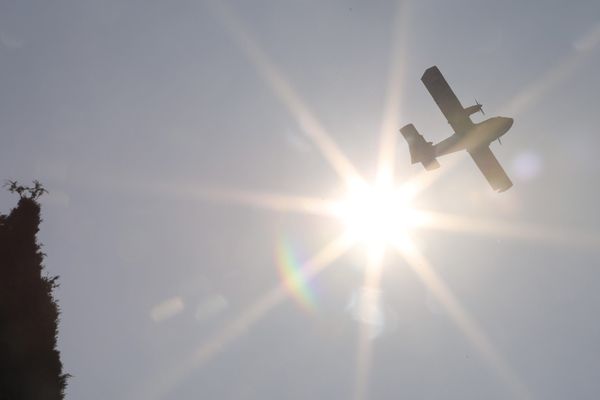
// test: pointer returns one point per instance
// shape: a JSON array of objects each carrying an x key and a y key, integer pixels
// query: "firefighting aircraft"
[{"x": 475, "y": 138}]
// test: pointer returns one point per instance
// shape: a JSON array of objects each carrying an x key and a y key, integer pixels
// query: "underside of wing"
[
  {"x": 446, "y": 100},
  {"x": 491, "y": 169}
]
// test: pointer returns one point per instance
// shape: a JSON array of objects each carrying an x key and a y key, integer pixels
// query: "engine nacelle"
[{"x": 473, "y": 109}]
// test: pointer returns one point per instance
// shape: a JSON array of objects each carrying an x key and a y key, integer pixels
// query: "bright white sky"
[{"x": 142, "y": 117}]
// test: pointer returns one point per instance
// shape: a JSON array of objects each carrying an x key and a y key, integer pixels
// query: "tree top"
[{"x": 26, "y": 192}]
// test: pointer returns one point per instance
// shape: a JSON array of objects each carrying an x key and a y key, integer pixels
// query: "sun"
[{"x": 378, "y": 215}]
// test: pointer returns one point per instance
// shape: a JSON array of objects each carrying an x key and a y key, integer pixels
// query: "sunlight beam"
[
  {"x": 263, "y": 200},
  {"x": 565, "y": 68},
  {"x": 514, "y": 230},
  {"x": 161, "y": 386},
  {"x": 463, "y": 320},
  {"x": 372, "y": 281},
  {"x": 191, "y": 190},
  {"x": 255, "y": 312},
  {"x": 282, "y": 88},
  {"x": 390, "y": 120}
]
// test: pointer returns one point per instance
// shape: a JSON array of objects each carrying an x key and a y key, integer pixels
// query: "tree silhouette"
[
  {"x": 30, "y": 366},
  {"x": 32, "y": 193}
]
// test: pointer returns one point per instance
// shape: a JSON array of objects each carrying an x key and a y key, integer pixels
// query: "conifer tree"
[{"x": 30, "y": 366}]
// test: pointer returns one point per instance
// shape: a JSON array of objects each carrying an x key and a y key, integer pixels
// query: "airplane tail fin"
[{"x": 420, "y": 150}]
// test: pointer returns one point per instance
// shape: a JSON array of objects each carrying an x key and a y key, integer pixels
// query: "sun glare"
[{"x": 378, "y": 215}]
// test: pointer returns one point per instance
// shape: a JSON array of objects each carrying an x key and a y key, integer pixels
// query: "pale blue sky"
[{"x": 124, "y": 109}]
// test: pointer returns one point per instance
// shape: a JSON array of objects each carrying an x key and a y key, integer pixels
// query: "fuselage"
[{"x": 474, "y": 136}]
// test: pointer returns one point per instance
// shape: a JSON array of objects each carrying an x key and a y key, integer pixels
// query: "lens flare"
[{"x": 294, "y": 276}]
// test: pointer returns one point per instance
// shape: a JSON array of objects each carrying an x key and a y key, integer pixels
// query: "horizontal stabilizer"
[{"x": 420, "y": 150}]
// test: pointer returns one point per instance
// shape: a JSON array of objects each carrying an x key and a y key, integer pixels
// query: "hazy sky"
[{"x": 142, "y": 117}]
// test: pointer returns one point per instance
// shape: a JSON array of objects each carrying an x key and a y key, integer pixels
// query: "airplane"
[{"x": 475, "y": 138}]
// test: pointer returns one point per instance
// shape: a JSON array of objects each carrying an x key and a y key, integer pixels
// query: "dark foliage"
[
  {"x": 30, "y": 192},
  {"x": 30, "y": 366}
]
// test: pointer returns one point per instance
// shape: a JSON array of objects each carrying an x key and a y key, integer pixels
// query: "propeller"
[{"x": 480, "y": 106}]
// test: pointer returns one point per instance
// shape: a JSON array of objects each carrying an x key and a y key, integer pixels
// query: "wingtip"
[
  {"x": 434, "y": 164},
  {"x": 505, "y": 188}
]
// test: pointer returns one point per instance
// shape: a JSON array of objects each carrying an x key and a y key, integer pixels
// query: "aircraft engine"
[{"x": 473, "y": 109}]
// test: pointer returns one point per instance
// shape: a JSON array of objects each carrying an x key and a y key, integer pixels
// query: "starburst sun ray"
[
  {"x": 236, "y": 327},
  {"x": 389, "y": 125},
  {"x": 465, "y": 322},
  {"x": 375, "y": 255},
  {"x": 264, "y": 200},
  {"x": 514, "y": 230},
  {"x": 284, "y": 91}
]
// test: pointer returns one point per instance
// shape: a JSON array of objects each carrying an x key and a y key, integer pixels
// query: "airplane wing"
[
  {"x": 446, "y": 100},
  {"x": 491, "y": 169}
]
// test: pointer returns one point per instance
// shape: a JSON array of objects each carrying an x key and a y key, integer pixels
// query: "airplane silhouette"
[{"x": 475, "y": 138}]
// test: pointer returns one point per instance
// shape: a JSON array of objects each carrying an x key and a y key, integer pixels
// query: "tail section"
[{"x": 420, "y": 150}]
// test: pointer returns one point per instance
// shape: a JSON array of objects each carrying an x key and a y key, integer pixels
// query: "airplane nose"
[{"x": 509, "y": 123}]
